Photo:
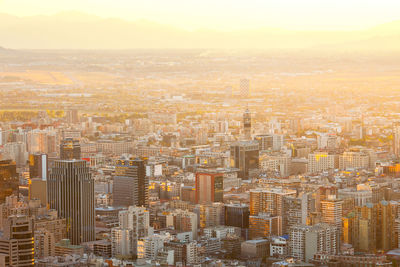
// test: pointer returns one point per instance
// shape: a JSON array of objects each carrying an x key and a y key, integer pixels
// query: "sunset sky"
[{"x": 226, "y": 14}]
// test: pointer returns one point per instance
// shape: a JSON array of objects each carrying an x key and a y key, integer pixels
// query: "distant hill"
[{"x": 74, "y": 30}]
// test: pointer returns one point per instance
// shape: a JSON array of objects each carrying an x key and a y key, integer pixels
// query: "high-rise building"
[
  {"x": 264, "y": 225},
  {"x": 276, "y": 162},
  {"x": 322, "y": 161},
  {"x": 8, "y": 179},
  {"x": 70, "y": 149},
  {"x": 247, "y": 124},
  {"x": 269, "y": 200},
  {"x": 265, "y": 141},
  {"x": 131, "y": 185},
  {"x": 180, "y": 250},
  {"x": 305, "y": 241},
  {"x": 373, "y": 227},
  {"x": 209, "y": 187},
  {"x": 153, "y": 244},
  {"x": 124, "y": 243},
  {"x": 331, "y": 210},
  {"x": 17, "y": 245},
  {"x": 361, "y": 229},
  {"x": 211, "y": 214},
  {"x": 237, "y": 215},
  {"x": 16, "y": 151},
  {"x": 396, "y": 138},
  {"x": 44, "y": 244},
  {"x": 72, "y": 116},
  {"x": 184, "y": 221},
  {"x": 134, "y": 224},
  {"x": 354, "y": 160},
  {"x": 71, "y": 193},
  {"x": 295, "y": 211},
  {"x": 385, "y": 225},
  {"x": 38, "y": 166},
  {"x": 38, "y": 190},
  {"x": 245, "y": 157}
]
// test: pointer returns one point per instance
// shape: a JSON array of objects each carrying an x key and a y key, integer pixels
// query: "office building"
[
  {"x": 245, "y": 157},
  {"x": 320, "y": 161},
  {"x": 17, "y": 152},
  {"x": 52, "y": 224},
  {"x": 134, "y": 224},
  {"x": 237, "y": 215},
  {"x": 72, "y": 116},
  {"x": 44, "y": 244},
  {"x": 38, "y": 190},
  {"x": 131, "y": 185},
  {"x": 264, "y": 225},
  {"x": 184, "y": 221},
  {"x": 123, "y": 243},
  {"x": 306, "y": 241},
  {"x": 354, "y": 160},
  {"x": 277, "y": 163},
  {"x": 17, "y": 245},
  {"x": 211, "y": 214},
  {"x": 265, "y": 141},
  {"x": 331, "y": 210},
  {"x": 70, "y": 149},
  {"x": 396, "y": 138},
  {"x": 209, "y": 187},
  {"x": 269, "y": 200},
  {"x": 8, "y": 179},
  {"x": 360, "y": 228},
  {"x": 247, "y": 124},
  {"x": 295, "y": 210},
  {"x": 257, "y": 248},
  {"x": 38, "y": 166},
  {"x": 385, "y": 226},
  {"x": 71, "y": 193},
  {"x": 180, "y": 251}
]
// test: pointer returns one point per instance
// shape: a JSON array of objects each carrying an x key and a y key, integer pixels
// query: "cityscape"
[{"x": 202, "y": 150}]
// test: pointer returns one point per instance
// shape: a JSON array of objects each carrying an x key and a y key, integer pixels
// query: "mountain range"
[{"x": 74, "y": 30}]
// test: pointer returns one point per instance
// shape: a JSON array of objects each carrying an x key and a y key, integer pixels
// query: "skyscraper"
[
  {"x": 8, "y": 179},
  {"x": 17, "y": 242},
  {"x": 237, "y": 215},
  {"x": 71, "y": 193},
  {"x": 209, "y": 187},
  {"x": 183, "y": 220},
  {"x": 38, "y": 166},
  {"x": 70, "y": 149},
  {"x": 247, "y": 124},
  {"x": 305, "y": 241},
  {"x": 396, "y": 138},
  {"x": 265, "y": 141},
  {"x": 131, "y": 185},
  {"x": 295, "y": 211},
  {"x": 270, "y": 200},
  {"x": 245, "y": 157},
  {"x": 72, "y": 116},
  {"x": 134, "y": 224},
  {"x": 264, "y": 225}
]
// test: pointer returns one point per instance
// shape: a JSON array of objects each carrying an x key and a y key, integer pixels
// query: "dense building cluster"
[{"x": 186, "y": 183}]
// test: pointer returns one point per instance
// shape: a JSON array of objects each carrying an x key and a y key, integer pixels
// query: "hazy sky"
[{"x": 226, "y": 14}]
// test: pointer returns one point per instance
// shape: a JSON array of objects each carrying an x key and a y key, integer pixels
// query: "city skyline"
[{"x": 199, "y": 133}]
